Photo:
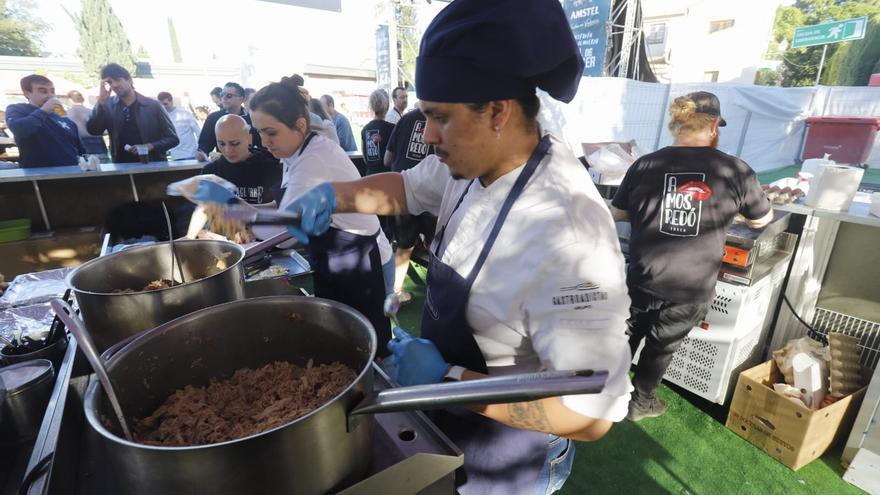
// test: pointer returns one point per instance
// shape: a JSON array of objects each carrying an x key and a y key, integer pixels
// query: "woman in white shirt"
[{"x": 348, "y": 258}]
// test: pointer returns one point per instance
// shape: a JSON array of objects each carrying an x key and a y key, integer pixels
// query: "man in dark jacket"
[{"x": 131, "y": 119}]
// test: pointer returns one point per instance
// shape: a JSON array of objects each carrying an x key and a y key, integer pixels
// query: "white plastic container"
[
  {"x": 807, "y": 372},
  {"x": 812, "y": 165},
  {"x": 834, "y": 187}
]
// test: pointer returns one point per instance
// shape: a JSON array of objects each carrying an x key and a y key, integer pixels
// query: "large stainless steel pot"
[
  {"x": 213, "y": 271},
  {"x": 323, "y": 451}
]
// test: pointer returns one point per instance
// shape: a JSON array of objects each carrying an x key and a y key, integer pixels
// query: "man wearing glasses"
[
  {"x": 135, "y": 123},
  {"x": 232, "y": 101}
]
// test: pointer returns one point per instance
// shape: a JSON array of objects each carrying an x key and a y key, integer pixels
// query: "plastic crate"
[
  {"x": 708, "y": 365},
  {"x": 709, "y": 359},
  {"x": 15, "y": 230}
]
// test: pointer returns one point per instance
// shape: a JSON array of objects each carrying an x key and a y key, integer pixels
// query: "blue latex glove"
[
  {"x": 314, "y": 208},
  {"x": 211, "y": 192},
  {"x": 415, "y": 361}
]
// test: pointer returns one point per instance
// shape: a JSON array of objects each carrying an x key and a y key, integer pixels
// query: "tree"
[
  {"x": 768, "y": 77},
  {"x": 175, "y": 45},
  {"x": 102, "y": 39},
  {"x": 799, "y": 65},
  {"x": 20, "y": 32},
  {"x": 853, "y": 63}
]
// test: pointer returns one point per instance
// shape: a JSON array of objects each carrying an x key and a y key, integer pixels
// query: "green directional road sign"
[{"x": 830, "y": 32}]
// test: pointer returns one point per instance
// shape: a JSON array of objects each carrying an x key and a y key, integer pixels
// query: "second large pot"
[
  {"x": 325, "y": 450},
  {"x": 212, "y": 269}
]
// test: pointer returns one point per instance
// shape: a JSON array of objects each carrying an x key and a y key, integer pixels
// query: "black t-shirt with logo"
[
  {"x": 681, "y": 201},
  {"x": 254, "y": 177},
  {"x": 374, "y": 139},
  {"x": 408, "y": 141}
]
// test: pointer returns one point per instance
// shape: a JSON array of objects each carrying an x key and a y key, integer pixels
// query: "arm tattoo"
[{"x": 529, "y": 416}]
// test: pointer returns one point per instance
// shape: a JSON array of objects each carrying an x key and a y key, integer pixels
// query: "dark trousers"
[{"x": 662, "y": 325}]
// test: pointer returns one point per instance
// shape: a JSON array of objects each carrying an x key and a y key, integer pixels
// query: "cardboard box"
[{"x": 786, "y": 430}]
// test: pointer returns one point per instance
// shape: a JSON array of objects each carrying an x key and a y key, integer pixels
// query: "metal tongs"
[{"x": 250, "y": 215}]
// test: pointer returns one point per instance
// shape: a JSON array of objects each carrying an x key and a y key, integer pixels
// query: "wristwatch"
[{"x": 453, "y": 373}]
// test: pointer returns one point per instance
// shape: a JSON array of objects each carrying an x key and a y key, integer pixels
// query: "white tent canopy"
[{"x": 765, "y": 125}]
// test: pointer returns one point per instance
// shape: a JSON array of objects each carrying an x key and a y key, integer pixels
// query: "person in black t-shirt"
[
  {"x": 255, "y": 172},
  {"x": 680, "y": 200},
  {"x": 406, "y": 148},
  {"x": 374, "y": 140},
  {"x": 375, "y": 135}
]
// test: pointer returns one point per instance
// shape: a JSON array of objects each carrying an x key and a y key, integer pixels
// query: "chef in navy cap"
[{"x": 526, "y": 272}]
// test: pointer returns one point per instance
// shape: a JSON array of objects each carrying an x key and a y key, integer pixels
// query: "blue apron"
[
  {"x": 348, "y": 268},
  {"x": 498, "y": 459}
]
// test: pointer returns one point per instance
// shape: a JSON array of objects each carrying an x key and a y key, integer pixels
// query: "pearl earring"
[{"x": 497, "y": 132}]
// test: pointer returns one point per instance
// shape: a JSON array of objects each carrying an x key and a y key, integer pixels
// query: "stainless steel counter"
[
  {"x": 857, "y": 213},
  {"x": 38, "y": 175},
  {"x": 74, "y": 172}
]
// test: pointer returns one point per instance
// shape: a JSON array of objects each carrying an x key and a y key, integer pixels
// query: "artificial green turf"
[
  {"x": 410, "y": 314},
  {"x": 685, "y": 451}
]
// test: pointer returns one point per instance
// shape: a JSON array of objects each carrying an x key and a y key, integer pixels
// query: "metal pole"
[
  {"x": 821, "y": 63},
  {"x": 42, "y": 205},
  {"x": 662, "y": 116},
  {"x": 742, "y": 136},
  {"x": 627, "y": 41},
  {"x": 134, "y": 191}
]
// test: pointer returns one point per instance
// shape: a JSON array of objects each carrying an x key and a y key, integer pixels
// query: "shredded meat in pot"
[{"x": 250, "y": 402}]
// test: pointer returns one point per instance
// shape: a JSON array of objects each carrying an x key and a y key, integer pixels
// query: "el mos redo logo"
[{"x": 683, "y": 197}]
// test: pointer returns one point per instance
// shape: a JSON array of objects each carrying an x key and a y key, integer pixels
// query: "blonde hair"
[
  {"x": 684, "y": 118},
  {"x": 379, "y": 102}
]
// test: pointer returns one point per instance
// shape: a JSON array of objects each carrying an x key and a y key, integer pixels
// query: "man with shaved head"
[{"x": 254, "y": 171}]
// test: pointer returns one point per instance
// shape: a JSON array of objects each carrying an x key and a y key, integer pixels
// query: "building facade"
[{"x": 708, "y": 40}]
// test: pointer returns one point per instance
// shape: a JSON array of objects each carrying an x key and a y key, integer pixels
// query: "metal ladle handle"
[
  {"x": 85, "y": 343},
  {"x": 494, "y": 390}
]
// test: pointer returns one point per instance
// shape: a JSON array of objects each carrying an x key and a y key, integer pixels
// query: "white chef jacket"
[
  {"x": 187, "y": 128},
  {"x": 324, "y": 161},
  {"x": 552, "y": 293}
]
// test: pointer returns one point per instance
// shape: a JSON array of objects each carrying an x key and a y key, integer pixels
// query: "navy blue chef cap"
[{"x": 483, "y": 50}]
